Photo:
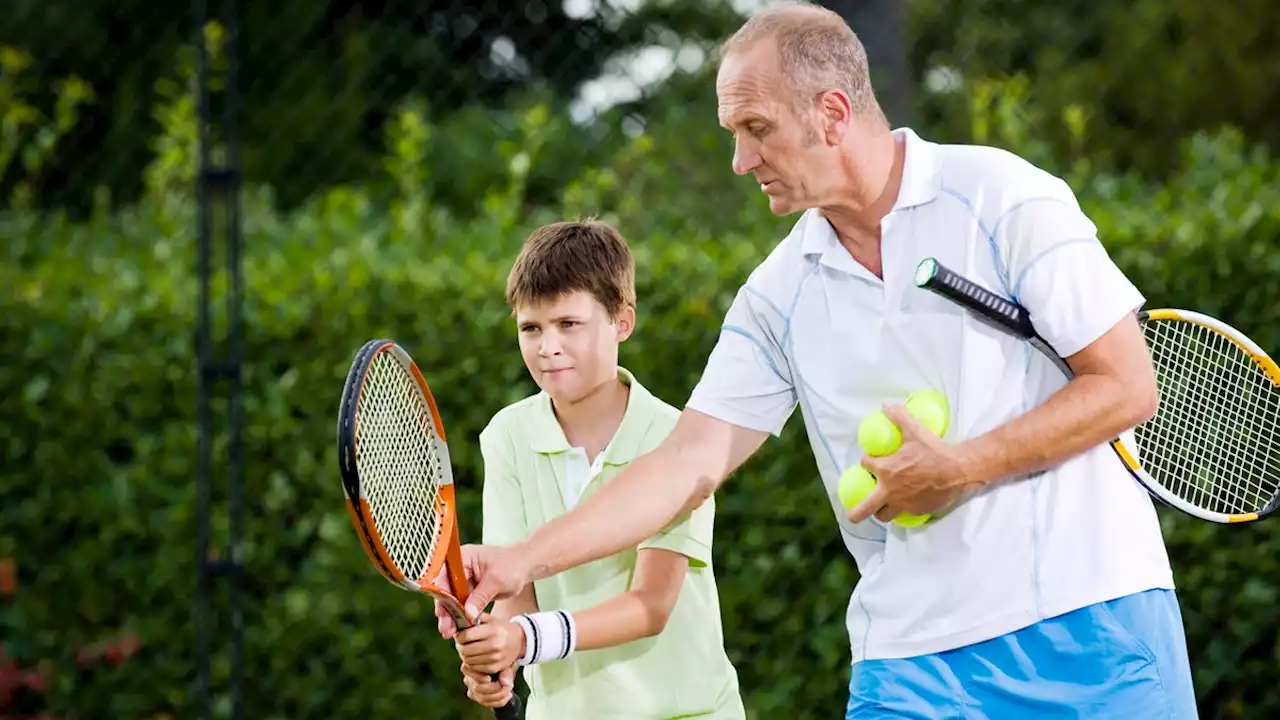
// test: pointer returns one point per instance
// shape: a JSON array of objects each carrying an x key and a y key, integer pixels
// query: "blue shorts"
[{"x": 1126, "y": 658}]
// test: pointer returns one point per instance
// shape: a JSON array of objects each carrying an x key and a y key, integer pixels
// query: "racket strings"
[
  {"x": 399, "y": 464},
  {"x": 1215, "y": 441},
  {"x": 1219, "y": 428}
]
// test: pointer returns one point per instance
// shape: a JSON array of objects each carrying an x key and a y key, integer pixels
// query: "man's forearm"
[
  {"x": 655, "y": 489},
  {"x": 1089, "y": 411}
]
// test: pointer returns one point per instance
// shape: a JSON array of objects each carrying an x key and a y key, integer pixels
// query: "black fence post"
[
  {"x": 881, "y": 25},
  {"x": 218, "y": 189}
]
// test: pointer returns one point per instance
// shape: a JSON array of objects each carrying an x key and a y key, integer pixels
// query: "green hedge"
[{"x": 97, "y": 405}]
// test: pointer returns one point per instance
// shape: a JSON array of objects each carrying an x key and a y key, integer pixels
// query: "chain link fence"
[
  {"x": 87, "y": 87},
  {"x": 322, "y": 84},
  {"x": 170, "y": 540}
]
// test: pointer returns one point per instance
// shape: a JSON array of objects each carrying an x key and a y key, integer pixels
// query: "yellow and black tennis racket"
[
  {"x": 398, "y": 480},
  {"x": 1212, "y": 450}
]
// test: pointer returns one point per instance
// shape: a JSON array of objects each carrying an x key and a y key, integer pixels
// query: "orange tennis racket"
[{"x": 398, "y": 480}]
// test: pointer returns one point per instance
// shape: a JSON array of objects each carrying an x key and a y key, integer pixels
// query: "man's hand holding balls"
[{"x": 908, "y": 470}]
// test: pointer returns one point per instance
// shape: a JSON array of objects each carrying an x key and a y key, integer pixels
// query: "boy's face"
[{"x": 570, "y": 344}]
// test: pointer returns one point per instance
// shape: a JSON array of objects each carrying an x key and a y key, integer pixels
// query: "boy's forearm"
[
  {"x": 629, "y": 616},
  {"x": 633, "y": 615},
  {"x": 523, "y": 604}
]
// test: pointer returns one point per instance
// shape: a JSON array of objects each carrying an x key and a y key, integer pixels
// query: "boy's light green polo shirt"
[{"x": 683, "y": 672}]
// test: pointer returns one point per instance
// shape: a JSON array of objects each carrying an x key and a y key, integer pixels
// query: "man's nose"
[{"x": 745, "y": 157}]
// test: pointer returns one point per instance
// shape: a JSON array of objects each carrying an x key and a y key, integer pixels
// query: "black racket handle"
[{"x": 1006, "y": 315}]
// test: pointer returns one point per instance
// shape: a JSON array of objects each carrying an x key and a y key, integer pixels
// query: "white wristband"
[{"x": 547, "y": 636}]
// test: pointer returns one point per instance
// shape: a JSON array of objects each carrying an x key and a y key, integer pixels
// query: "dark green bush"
[
  {"x": 99, "y": 397},
  {"x": 98, "y": 451}
]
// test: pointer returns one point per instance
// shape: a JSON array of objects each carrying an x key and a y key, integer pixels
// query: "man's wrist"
[
  {"x": 531, "y": 568},
  {"x": 973, "y": 465}
]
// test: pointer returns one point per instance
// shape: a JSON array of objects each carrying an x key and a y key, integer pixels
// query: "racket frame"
[
  {"x": 1011, "y": 318},
  {"x": 445, "y": 563}
]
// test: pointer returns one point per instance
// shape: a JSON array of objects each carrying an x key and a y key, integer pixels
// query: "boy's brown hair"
[{"x": 571, "y": 256}]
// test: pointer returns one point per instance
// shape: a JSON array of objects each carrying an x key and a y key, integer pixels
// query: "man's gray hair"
[{"x": 818, "y": 52}]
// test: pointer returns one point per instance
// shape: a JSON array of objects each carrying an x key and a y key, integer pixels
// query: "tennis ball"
[
  {"x": 931, "y": 408},
  {"x": 878, "y": 436},
  {"x": 856, "y": 484},
  {"x": 908, "y": 520}
]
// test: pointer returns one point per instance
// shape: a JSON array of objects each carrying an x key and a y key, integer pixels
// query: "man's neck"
[
  {"x": 876, "y": 177},
  {"x": 871, "y": 197},
  {"x": 591, "y": 421}
]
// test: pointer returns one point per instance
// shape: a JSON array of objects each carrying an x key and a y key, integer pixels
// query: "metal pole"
[
  {"x": 235, "y": 405},
  {"x": 219, "y": 183},
  {"x": 204, "y": 358},
  {"x": 881, "y": 25}
]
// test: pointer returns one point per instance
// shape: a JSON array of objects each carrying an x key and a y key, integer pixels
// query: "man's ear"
[{"x": 836, "y": 110}]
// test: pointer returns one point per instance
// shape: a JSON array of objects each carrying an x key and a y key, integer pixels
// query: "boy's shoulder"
[
  {"x": 661, "y": 410},
  {"x": 528, "y": 415},
  {"x": 650, "y": 418},
  {"x": 519, "y": 415}
]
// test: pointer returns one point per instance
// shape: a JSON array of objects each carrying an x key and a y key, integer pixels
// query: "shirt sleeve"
[
  {"x": 690, "y": 535},
  {"x": 503, "y": 505},
  {"x": 1063, "y": 275},
  {"x": 747, "y": 380}
]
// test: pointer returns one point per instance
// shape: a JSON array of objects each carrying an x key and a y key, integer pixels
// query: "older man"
[{"x": 1042, "y": 587}]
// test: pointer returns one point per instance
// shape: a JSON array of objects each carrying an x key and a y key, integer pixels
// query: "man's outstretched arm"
[{"x": 653, "y": 491}]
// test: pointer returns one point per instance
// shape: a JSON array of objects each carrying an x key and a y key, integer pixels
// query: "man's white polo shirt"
[{"x": 812, "y": 327}]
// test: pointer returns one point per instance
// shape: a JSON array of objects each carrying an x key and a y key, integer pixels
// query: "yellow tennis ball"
[
  {"x": 878, "y": 436},
  {"x": 855, "y": 485},
  {"x": 909, "y": 520},
  {"x": 931, "y": 408}
]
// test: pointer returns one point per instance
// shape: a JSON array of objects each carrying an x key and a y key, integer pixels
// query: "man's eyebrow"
[{"x": 743, "y": 118}]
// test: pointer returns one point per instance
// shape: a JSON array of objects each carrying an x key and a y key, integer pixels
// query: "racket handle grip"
[
  {"x": 513, "y": 708},
  {"x": 1008, "y": 316}
]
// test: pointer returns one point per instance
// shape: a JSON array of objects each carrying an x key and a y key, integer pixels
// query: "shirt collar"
[
  {"x": 548, "y": 437},
  {"x": 921, "y": 176}
]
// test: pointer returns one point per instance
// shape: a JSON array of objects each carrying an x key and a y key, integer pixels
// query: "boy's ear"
[{"x": 625, "y": 322}]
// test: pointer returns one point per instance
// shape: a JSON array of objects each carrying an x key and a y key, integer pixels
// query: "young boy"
[{"x": 636, "y": 635}]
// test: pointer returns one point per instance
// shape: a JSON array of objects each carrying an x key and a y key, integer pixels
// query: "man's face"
[{"x": 773, "y": 139}]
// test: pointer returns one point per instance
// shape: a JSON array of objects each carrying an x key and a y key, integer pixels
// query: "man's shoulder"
[
  {"x": 781, "y": 271},
  {"x": 997, "y": 178}
]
